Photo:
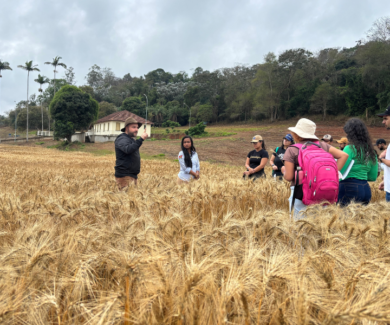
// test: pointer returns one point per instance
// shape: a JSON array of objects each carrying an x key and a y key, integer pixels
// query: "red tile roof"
[{"x": 122, "y": 116}]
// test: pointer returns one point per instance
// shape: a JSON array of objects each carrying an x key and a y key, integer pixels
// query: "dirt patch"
[{"x": 230, "y": 150}]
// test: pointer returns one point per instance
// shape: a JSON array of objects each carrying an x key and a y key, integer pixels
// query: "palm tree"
[
  {"x": 56, "y": 62},
  {"x": 4, "y": 66},
  {"x": 41, "y": 80},
  {"x": 29, "y": 67}
]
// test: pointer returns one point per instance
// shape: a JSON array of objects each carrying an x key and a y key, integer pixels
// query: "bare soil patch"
[{"x": 230, "y": 150}]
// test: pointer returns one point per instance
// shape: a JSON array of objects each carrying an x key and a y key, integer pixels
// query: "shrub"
[
  {"x": 196, "y": 130},
  {"x": 170, "y": 124}
]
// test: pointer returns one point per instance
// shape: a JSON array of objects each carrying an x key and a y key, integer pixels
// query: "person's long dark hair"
[
  {"x": 263, "y": 145},
  {"x": 187, "y": 155},
  {"x": 359, "y": 137},
  {"x": 282, "y": 146}
]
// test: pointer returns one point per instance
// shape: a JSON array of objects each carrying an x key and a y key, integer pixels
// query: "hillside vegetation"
[
  {"x": 219, "y": 251},
  {"x": 349, "y": 81}
]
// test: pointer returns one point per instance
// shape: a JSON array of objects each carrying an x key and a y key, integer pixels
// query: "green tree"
[
  {"x": 69, "y": 76},
  {"x": 29, "y": 67},
  {"x": 55, "y": 63},
  {"x": 88, "y": 90},
  {"x": 72, "y": 109},
  {"x": 321, "y": 98},
  {"x": 3, "y": 66},
  {"x": 106, "y": 109},
  {"x": 41, "y": 80},
  {"x": 205, "y": 113},
  {"x": 134, "y": 105},
  {"x": 158, "y": 76},
  {"x": 157, "y": 114},
  {"x": 269, "y": 87}
]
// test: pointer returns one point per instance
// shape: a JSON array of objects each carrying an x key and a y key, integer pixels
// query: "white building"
[{"x": 109, "y": 127}]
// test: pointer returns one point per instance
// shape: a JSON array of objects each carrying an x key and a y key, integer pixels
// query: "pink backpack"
[{"x": 318, "y": 174}]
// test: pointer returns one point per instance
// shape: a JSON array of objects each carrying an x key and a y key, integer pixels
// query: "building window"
[{"x": 118, "y": 126}]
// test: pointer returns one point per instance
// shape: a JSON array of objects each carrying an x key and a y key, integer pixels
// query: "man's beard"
[{"x": 132, "y": 134}]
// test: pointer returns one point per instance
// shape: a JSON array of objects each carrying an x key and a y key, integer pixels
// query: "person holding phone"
[
  {"x": 128, "y": 159},
  {"x": 188, "y": 160}
]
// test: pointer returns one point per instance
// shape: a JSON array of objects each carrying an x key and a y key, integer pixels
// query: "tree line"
[{"x": 351, "y": 81}]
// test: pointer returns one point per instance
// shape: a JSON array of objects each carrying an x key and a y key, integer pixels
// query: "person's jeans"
[
  {"x": 387, "y": 197},
  {"x": 356, "y": 190}
]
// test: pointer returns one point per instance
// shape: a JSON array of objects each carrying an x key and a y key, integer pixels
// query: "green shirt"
[{"x": 359, "y": 170}]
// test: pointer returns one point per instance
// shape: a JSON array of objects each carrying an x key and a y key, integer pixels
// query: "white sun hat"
[{"x": 305, "y": 129}]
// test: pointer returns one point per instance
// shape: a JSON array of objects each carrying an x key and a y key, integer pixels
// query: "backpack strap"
[
  {"x": 311, "y": 143},
  {"x": 298, "y": 146}
]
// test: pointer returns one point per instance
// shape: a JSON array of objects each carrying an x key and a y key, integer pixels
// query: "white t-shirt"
[{"x": 387, "y": 172}]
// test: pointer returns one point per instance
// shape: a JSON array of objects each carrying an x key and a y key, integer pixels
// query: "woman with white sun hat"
[{"x": 303, "y": 133}]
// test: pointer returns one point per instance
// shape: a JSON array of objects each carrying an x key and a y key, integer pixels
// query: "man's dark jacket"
[{"x": 128, "y": 160}]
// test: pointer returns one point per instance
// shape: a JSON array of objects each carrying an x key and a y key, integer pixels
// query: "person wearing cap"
[
  {"x": 304, "y": 131},
  {"x": 327, "y": 138},
  {"x": 354, "y": 185},
  {"x": 381, "y": 144},
  {"x": 385, "y": 184},
  {"x": 277, "y": 157},
  {"x": 256, "y": 159},
  {"x": 343, "y": 142},
  {"x": 128, "y": 160}
]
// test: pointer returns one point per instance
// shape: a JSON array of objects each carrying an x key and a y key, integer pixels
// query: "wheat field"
[{"x": 217, "y": 251}]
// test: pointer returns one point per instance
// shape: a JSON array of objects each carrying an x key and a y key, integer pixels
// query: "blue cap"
[{"x": 289, "y": 137}]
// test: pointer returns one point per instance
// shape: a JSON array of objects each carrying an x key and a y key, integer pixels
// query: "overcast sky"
[{"x": 138, "y": 36}]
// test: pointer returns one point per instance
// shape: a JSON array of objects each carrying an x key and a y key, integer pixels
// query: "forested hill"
[{"x": 351, "y": 81}]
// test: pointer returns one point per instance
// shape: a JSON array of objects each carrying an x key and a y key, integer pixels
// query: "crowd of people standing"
[{"x": 317, "y": 170}]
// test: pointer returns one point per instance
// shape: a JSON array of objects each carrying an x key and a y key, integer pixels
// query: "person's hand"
[
  {"x": 382, "y": 186},
  {"x": 144, "y": 135},
  {"x": 274, "y": 167},
  {"x": 283, "y": 170},
  {"x": 198, "y": 174},
  {"x": 247, "y": 173},
  {"x": 383, "y": 155}
]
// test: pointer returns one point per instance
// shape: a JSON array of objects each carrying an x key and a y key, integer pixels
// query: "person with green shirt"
[{"x": 354, "y": 186}]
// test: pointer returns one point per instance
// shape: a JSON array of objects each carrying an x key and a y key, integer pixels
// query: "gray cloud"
[{"x": 139, "y": 36}]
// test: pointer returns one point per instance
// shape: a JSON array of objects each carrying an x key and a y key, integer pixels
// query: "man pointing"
[{"x": 128, "y": 160}]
